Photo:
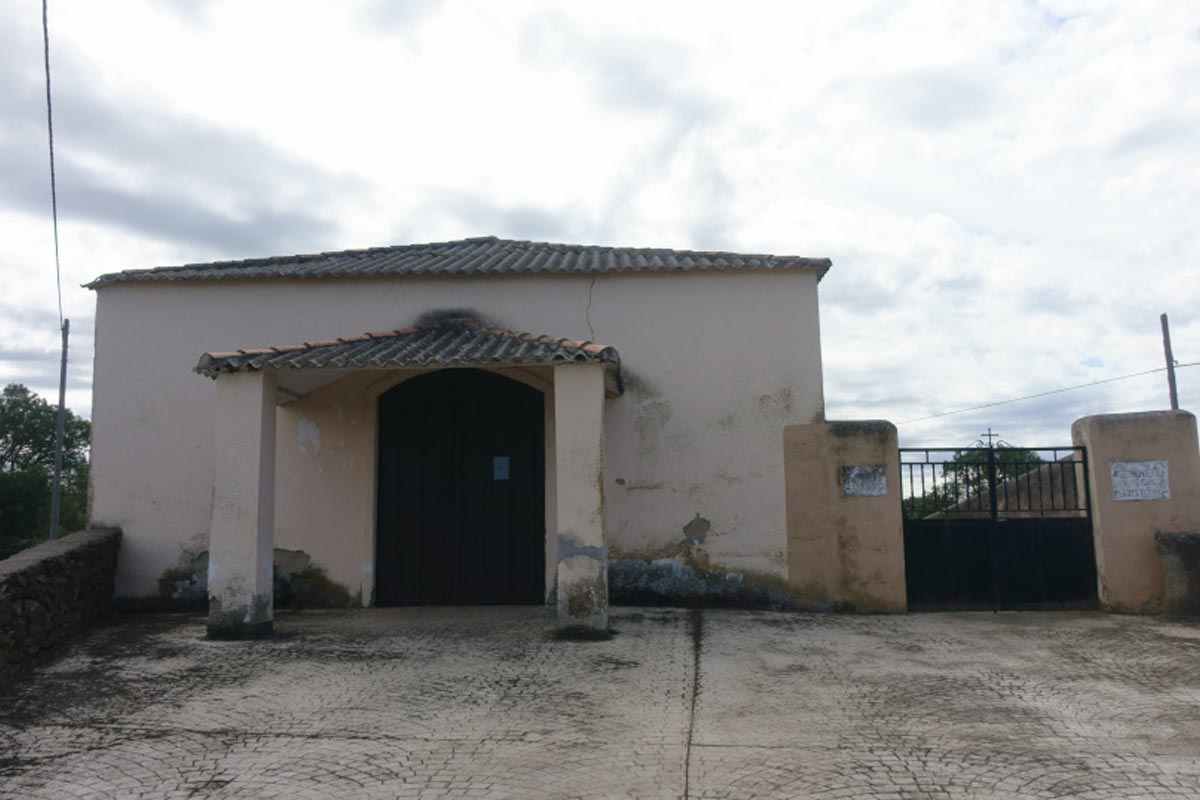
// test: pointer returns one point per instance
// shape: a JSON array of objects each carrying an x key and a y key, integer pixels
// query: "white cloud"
[{"x": 1007, "y": 190}]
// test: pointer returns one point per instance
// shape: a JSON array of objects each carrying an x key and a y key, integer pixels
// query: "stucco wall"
[
  {"x": 846, "y": 534},
  {"x": 325, "y": 447},
  {"x": 1129, "y": 569},
  {"x": 716, "y": 364}
]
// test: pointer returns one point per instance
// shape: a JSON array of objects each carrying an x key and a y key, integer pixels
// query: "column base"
[
  {"x": 251, "y": 621},
  {"x": 583, "y": 597},
  {"x": 241, "y": 631}
]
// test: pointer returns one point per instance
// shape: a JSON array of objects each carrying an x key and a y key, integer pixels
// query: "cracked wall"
[{"x": 698, "y": 432}]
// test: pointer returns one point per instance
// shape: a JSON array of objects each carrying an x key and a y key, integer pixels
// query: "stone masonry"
[{"x": 53, "y": 589}]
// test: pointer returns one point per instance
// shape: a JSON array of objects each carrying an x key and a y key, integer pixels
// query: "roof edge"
[
  {"x": 211, "y": 364},
  {"x": 290, "y": 267}
]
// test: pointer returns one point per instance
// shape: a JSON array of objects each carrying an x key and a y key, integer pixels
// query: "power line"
[
  {"x": 53, "y": 185},
  {"x": 1044, "y": 394}
]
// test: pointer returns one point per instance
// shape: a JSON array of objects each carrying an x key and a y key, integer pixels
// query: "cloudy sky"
[{"x": 1008, "y": 191}]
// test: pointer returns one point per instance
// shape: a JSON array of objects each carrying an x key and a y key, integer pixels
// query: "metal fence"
[{"x": 993, "y": 482}]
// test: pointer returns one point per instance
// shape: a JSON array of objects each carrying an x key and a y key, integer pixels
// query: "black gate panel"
[
  {"x": 948, "y": 566},
  {"x": 997, "y": 527},
  {"x": 460, "y": 516}
]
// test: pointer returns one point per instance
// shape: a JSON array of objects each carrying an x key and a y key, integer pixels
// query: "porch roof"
[{"x": 446, "y": 344}]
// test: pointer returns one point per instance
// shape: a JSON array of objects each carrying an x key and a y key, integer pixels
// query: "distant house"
[{"x": 468, "y": 422}]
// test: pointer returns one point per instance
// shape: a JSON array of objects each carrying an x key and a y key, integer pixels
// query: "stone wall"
[
  {"x": 1180, "y": 553},
  {"x": 53, "y": 589}
]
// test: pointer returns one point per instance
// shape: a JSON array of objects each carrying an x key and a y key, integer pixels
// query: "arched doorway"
[{"x": 460, "y": 508}]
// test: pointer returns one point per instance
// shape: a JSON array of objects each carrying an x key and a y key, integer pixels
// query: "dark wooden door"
[{"x": 461, "y": 495}]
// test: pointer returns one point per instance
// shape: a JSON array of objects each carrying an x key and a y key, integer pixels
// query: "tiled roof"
[
  {"x": 483, "y": 256},
  {"x": 457, "y": 344}
]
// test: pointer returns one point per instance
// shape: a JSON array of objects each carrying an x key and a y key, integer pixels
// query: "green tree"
[
  {"x": 27, "y": 424},
  {"x": 965, "y": 479},
  {"x": 27, "y": 427}
]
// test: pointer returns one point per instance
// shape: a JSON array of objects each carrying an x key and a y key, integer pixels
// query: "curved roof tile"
[
  {"x": 482, "y": 256},
  {"x": 458, "y": 344}
]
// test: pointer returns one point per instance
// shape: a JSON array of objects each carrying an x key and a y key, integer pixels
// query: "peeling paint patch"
[
  {"x": 696, "y": 530},
  {"x": 640, "y": 486},
  {"x": 569, "y": 548},
  {"x": 308, "y": 436}
]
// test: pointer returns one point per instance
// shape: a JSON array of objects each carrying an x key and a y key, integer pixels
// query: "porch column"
[
  {"x": 241, "y": 536},
  {"x": 579, "y": 458}
]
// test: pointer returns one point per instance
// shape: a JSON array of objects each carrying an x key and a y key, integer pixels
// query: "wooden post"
[
  {"x": 1166, "y": 332},
  {"x": 56, "y": 488}
]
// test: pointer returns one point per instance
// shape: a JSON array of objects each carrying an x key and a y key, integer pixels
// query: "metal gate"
[{"x": 995, "y": 527}]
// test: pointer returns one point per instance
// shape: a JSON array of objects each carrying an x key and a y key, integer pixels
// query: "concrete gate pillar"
[
  {"x": 582, "y": 577},
  {"x": 844, "y": 516},
  {"x": 241, "y": 536},
  {"x": 1144, "y": 477}
]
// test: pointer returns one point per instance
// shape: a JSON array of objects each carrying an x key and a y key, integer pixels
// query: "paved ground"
[{"x": 482, "y": 703}]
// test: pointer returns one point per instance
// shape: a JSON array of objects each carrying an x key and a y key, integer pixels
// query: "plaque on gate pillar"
[
  {"x": 1140, "y": 480},
  {"x": 869, "y": 480}
]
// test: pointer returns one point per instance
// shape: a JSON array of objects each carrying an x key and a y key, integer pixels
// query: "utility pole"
[
  {"x": 1166, "y": 331},
  {"x": 56, "y": 490}
]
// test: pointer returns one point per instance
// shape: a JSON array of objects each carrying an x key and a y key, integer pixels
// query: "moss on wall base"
[
  {"x": 310, "y": 587},
  {"x": 1180, "y": 554},
  {"x": 671, "y": 581},
  {"x": 298, "y": 583}
]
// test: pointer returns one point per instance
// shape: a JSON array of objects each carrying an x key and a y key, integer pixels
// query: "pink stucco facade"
[{"x": 716, "y": 364}]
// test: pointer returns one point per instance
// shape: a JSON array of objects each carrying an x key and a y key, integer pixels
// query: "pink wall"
[{"x": 717, "y": 364}]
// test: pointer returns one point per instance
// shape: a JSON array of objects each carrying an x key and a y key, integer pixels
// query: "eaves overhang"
[{"x": 442, "y": 345}]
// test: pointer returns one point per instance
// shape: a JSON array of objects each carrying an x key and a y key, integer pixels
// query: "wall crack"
[
  {"x": 696, "y": 623},
  {"x": 587, "y": 312}
]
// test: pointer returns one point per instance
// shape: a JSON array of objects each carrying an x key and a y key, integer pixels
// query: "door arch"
[{"x": 460, "y": 495}]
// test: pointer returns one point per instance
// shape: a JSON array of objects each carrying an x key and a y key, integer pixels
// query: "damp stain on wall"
[
  {"x": 308, "y": 437},
  {"x": 297, "y": 582},
  {"x": 681, "y": 573}
]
